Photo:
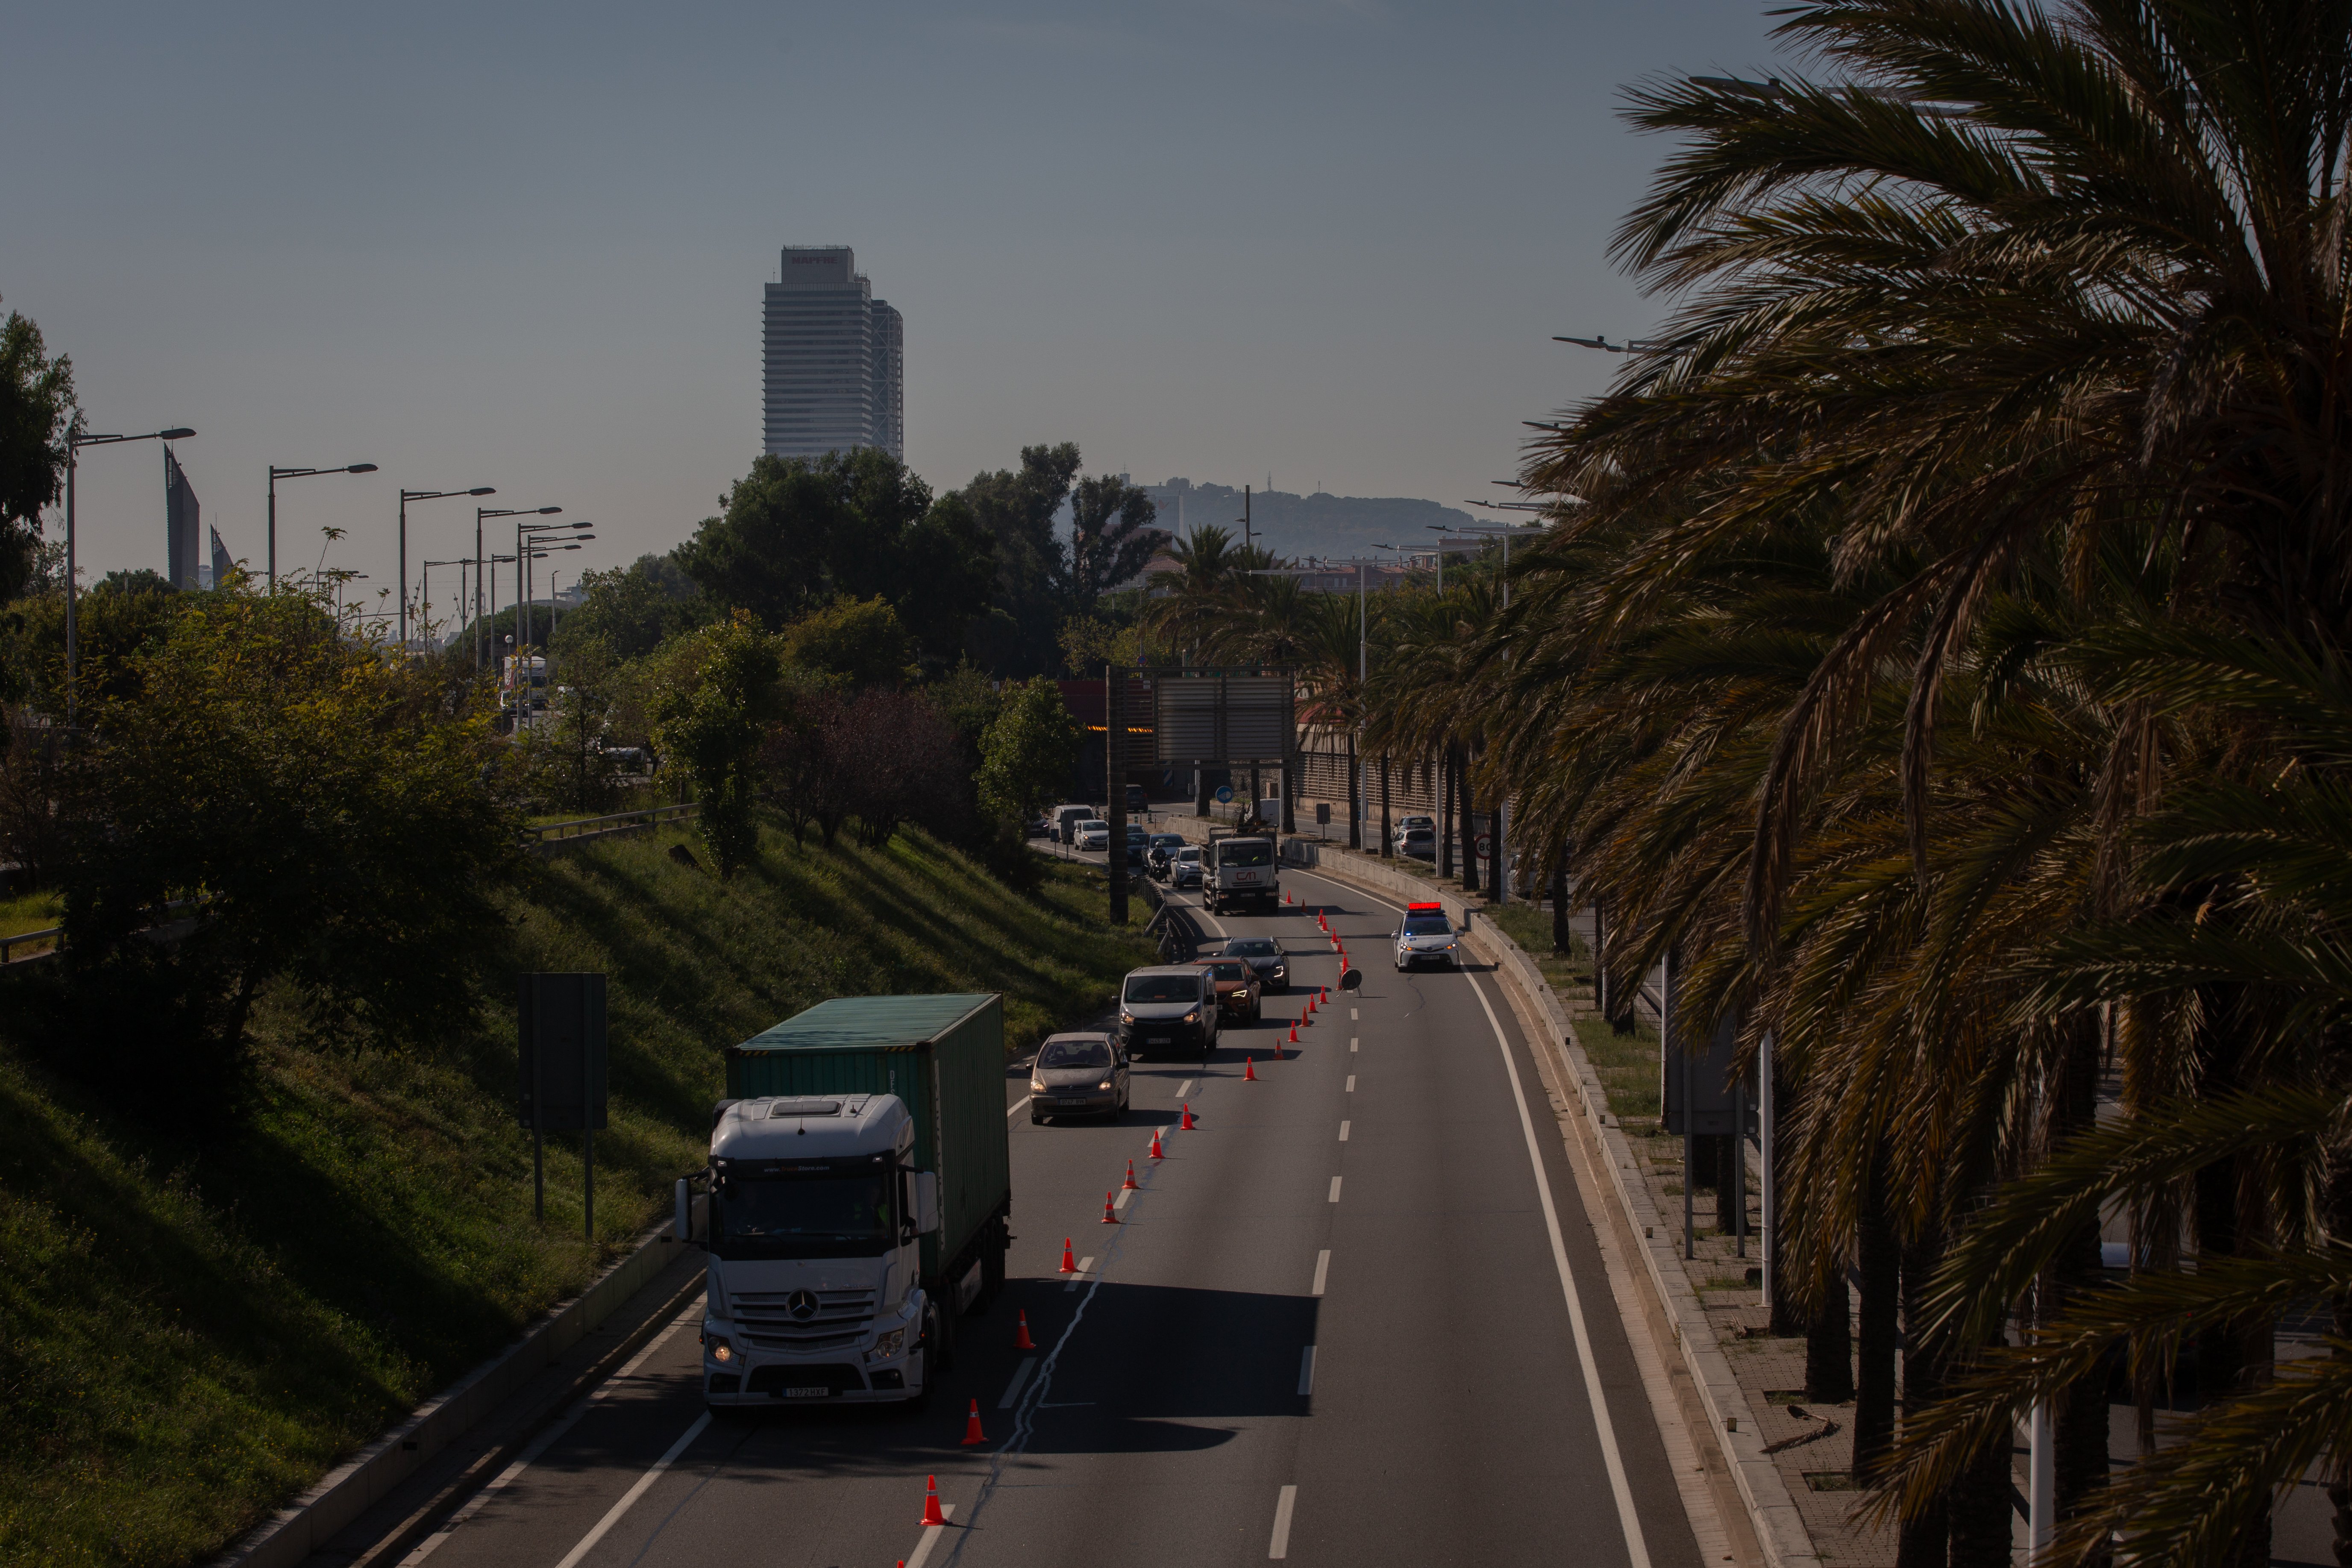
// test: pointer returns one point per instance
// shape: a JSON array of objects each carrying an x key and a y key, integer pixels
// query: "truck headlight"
[
  {"x": 719, "y": 1348},
  {"x": 886, "y": 1345}
]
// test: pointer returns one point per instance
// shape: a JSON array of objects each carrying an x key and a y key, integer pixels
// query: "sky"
[{"x": 1324, "y": 244}]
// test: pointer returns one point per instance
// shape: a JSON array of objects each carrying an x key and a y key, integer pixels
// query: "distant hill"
[{"x": 1317, "y": 524}]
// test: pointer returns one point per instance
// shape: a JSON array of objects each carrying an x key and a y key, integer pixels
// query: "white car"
[
  {"x": 1427, "y": 937},
  {"x": 1093, "y": 834},
  {"x": 1408, "y": 826}
]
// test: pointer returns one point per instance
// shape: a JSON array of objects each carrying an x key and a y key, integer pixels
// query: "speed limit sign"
[{"x": 1485, "y": 847}]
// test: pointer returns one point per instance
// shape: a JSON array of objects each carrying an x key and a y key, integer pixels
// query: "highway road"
[{"x": 1356, "y": 1316}]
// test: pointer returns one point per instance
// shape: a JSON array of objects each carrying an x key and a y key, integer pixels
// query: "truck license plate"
[
  {"x": 820, "y": 1391},
  {"x": 1161, "y": 1040}
]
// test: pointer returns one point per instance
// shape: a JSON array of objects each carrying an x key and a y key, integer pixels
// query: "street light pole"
[
  {"x": 276, "y": 474},
  {"x": 482, "y": 577},
  {"x": 75, "y": 442},
  {"x": 406, "y": 496}
]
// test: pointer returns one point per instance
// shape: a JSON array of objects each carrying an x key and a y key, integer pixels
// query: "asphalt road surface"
[{"x": 1356, "y": 1316}]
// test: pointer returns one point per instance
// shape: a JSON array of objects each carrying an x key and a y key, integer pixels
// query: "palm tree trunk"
[
  {"x": 1560, "y": 938},
  {"x": 1881, "y": 1277},
  {"x": 1445, "y": 813},
  {"x": 1387, "y": 849},
  {"x": 1355, "y": 797},
  {"x": 1469, "y": 838},
  {"x": 2082, "y": 1414},
  {"x": 1921, "y": 1540},
  {"x": 1829, "y": 1345},
  {"x": 1981, "y": 1511}
]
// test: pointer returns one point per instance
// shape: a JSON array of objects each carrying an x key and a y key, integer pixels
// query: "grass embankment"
[{"x": 192, "y": 1328}]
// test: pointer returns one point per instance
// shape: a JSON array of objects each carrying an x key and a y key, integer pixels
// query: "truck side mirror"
[
  {"x": 682, "y": 1223},
  {"x": 926, "y": 1202}
]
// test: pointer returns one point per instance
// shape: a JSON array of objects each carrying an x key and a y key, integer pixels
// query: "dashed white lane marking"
[
  {"x": 1636, "y": 1549},
  {"x": 1085, "y": 1266},
  {"x": 1184, "y": 1089},
  {"x": 932, "y": 1533},
  {"x": 1351, "y": 1042},
  {"x": 1124, "y": 1194},
  {"x": 1280, "y": 1545},
  {"x": 1343, "y": 1132},
  {"x": 1334, "y": 1189},
  {"x": 614, "y": 1515},
  {"x": 1353, "y": 1015},
  {"x": 1306, "y": 1371},
  {"x": 1020, "y": 1377},
  {"x": 1352, "y": 1083},
  {"x": 1322, "y": 1267},
  {"x": 546, "y": 1440}
]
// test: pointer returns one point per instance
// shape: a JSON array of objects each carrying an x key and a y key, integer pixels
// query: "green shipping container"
[{"x": 944, "y": 1056}]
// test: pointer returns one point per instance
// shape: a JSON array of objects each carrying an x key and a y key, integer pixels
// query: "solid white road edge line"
[
  {"x": 1306, "y": 1371},
  {"x": 543, "y": 1443},
  {"x": 1628, "y": 1517},
  {"x": 1011, "y": 1110},
  {"x": 1280, "y": 1545},
  {"x": 932, "y": 1533},
  {"x": 629, "y": 1499},
  {"x": 1020, "y": 1377},
  {"x": 1334, "y": 1189}
]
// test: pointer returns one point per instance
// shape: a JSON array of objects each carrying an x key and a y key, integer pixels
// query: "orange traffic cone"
[
  {"x": 1310, "y": 1006},
  {"x": 1294, "y": 1031},
  {"x": 1021, "y": 1340},
  {"x": 973, "y": 1436},
  {"x": 1155, "y": 1145},
  {"x": 1130, "y": 1183},
  {"x": 1110, "y": 1215},
  {"x": 1186, "y": 1125},
  {"x": 1069, "y": 1263},
  {"x": 931, "y": 1514},
  {"x": 1249, "y": 1070}
]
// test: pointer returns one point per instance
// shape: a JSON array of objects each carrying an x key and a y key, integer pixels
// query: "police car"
[{"x": 1426, "y": 936}]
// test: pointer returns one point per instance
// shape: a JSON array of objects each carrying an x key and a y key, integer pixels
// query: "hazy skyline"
[{"x": 525, "y": 246}]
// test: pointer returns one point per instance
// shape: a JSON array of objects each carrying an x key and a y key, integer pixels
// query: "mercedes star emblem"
[{"x": 802, "y": 1304}]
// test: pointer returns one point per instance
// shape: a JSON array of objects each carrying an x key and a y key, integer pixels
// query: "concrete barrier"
[{"x": 359, "y": 1483}]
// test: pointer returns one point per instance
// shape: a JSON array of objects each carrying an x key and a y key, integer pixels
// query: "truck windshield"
[
  {"x": 1255, "y": 854},
  {"x": 825, "y": 1215}
]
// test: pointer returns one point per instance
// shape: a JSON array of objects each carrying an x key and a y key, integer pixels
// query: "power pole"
[{"x": 1115, "y": 778}]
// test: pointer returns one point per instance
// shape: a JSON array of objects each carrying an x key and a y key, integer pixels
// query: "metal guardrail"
[
  {"x": 51, "y": 936},
  {"x": 615, "y": 822}
]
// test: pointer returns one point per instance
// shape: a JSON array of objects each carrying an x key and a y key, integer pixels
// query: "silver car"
[{"x": 1077, "y": 1075}]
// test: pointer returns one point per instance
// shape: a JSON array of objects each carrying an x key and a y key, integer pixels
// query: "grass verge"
[{"x": 194, "y": 1326}]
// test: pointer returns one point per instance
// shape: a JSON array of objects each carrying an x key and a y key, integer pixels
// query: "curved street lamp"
[
  {"x": 276, "y": 474},
  {"x": 75, "y": 441}
]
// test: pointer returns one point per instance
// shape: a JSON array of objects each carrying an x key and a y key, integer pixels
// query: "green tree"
[
  {"x": 1111, "y": 537},
  {"x": 632, "y": 609},
  {"x": 316, "y": 818},
  {"x": 855, "y": 642},
  {"x": 1026, "y": 754},
  {"x": 36, "y": 408},
  {"x": 1017, "y": 509},
  {"x": 798, "y": 532},
  {"x": 720, "y": 693}
]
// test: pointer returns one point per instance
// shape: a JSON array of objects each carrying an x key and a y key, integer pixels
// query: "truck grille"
[{"x": 842, "y": 1317}]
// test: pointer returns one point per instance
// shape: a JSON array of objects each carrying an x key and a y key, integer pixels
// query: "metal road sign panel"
[
  {"x": 1218, "y": 718},
  {"x": 561, "y": 1050}
]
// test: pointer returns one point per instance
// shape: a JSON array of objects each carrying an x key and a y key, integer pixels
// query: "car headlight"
[
  {"x": 1105, "y": 1084},
  {"x": 1277, "y": 971},
  {"x": 1192, "y": 1017},
  {"x": 888, "y": 1344},
  {"x": 719, "y": 1348},
  {"x": 1035, "y": 1087},
  {"x": 1125, "y": 1016}
]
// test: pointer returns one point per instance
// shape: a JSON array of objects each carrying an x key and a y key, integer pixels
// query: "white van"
[{"x": 1066, "y": 819}]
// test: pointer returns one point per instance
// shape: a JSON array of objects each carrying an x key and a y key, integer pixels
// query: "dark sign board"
[{"x": 561, "y": 1052}]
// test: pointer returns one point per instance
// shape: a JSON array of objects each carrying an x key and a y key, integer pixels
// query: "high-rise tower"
[{"x": 834, "y": 357}]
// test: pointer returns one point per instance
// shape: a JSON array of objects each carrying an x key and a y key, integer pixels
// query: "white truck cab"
[
  {"x": 814, "y": 1231},
  {"x": 1235, "y": 868}
]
